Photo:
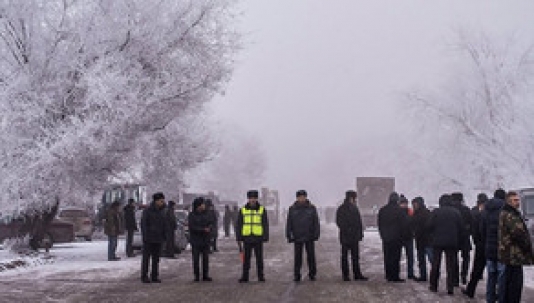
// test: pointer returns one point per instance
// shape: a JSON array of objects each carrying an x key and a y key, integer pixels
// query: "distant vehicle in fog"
[
  {"x": 373, "y": 193},
  {"x": 80, "y": 217}
]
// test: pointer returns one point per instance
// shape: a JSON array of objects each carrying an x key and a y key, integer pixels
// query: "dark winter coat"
[
  {"x": 392, "y": 222},
  {"x": 113, "y": 223},
  {"x": 153, "y": 224},
  {"x": 129, "y": 217},
  {"x": 349, "y": 222},
  {"x": 198, "y": 222},
  {"x": 467, "y": 221},
  {"x": 302, "y": 223},
  {"x": 170, "y": 218},
  {"x": 489, "y": 227},
  {"x": 515, "y": 246},
  {"x": 420, "y": 221},
  {"x": 252, "y": 238},
  {"x": 445, "y": 226},
  {"x": 476, "y": 215},
  {"x": 214, "y": 217}
]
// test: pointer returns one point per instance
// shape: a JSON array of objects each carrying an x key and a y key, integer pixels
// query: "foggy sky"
[{"x": 318, "y": 80}]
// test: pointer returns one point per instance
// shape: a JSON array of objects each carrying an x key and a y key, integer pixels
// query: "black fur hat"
[{"x": 252, "y": 194}]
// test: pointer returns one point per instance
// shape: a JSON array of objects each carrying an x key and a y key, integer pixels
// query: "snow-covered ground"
[{"x": 80, "y": 272}]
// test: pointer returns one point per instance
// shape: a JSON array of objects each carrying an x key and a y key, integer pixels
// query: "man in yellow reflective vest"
[{"x": 252, "y": 229}]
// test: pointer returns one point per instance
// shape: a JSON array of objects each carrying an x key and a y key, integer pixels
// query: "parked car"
[
  {"x": 80, "y": 217},
  {"x": 180, "y": 238},
  {"x": 59, "y": 231},
  {"x": 181, "y": 216}
]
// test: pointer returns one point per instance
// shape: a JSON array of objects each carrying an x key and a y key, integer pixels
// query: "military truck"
[{"x": 373, "y": 193}]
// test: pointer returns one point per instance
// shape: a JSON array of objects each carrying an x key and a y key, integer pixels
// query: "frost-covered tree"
[
  {"x": 87, "y": 87},
  {"x": 238, "y": 166},
  {"x": 476, "y": 130}
]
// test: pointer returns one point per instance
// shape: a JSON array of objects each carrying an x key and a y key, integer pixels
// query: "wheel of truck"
[{"x": 88, "y": 239}]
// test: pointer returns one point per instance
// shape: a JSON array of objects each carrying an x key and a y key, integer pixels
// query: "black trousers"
[
  {"x": 392, "y": 255},
  {"x": 451, "y": 258},
  {"x": 513, "y": 283},
  {"x": 310, "y": 254},
  {"x": 257, "y": 248},
  {"x": 150, "y": 251},
  {"x": 354, "y": 250},
  {"x": 129, "y": 242},
  {"x": 199, "y": 251},
  {"x": 479, "y": 263}
]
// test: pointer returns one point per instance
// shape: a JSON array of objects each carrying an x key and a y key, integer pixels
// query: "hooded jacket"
[
  {"x": 153, "y": 224},
  {"x": 349, "y": 222},
  {"x": 302, "y": 223},
  {"x": 198, "y": 222},
  {"x": 392, "y": 221},
  {"x": 489, "y": 227},
  {"x": 446, "y": 228},
  {"x": 420, "y": 220}
]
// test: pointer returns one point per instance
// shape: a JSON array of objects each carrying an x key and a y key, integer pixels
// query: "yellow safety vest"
[{"x": 252, "y": 225}]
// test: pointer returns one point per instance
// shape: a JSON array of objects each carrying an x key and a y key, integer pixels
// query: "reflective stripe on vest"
[{"x": 252, "y": 225}]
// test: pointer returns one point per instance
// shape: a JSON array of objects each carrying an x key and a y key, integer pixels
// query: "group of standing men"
[{"x": 499, "y": 233}]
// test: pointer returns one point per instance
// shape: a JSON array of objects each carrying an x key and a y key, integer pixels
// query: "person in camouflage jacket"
[{"x": 515, "y": 247}]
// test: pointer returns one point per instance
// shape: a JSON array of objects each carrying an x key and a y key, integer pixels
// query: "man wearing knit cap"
[
  {"x": 350, "y": 226},
  {"x": 153, "y": 229},
  {"x": 252, "y": 229},
  {"x": 303, "y": 230}
]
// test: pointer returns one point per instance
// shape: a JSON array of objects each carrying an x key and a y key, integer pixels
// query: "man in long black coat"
[
  {"x": 130, "y": 225},
  {"x": 420, "y": 218},
  {"x": 200, "y": 225},
  {"x": 303, "y": 229},
  {"x": 446, "y": 227},
  {"x": 392, "y": 220},
  {"x": 172, "y": 225},
  {"x": 350, "y": 226},
  {"x": 153, "y": 229},
  {"x": 465, "y": 245},
  {"x": 479, "y": 261}
]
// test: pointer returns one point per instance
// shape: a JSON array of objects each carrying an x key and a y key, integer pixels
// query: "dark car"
[{"x": 59, "y": 231}]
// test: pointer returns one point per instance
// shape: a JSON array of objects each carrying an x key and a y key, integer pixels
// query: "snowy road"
[{"x": 69, "y": 279}]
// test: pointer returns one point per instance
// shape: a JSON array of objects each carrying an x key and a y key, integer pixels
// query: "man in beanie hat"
[
  {"x": 407, "y": 243},
  {"x": 420, "y": 218},
  {"x": 153, "y": 229},
  {"x": 391, "y": 222},
  {"x": 130, "y": 225},
  {"x": 172, "y": 225},
  {"x": 252, "y": 229},
  {"x": 490, "y": 236},
  {"x": 112, "y": 229},
  {"x": 479, "y": 261},
  {"x": 200, "y": 225},
  {"x": 350, "y": 226},
  {"x": 303, "y": 229}
]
